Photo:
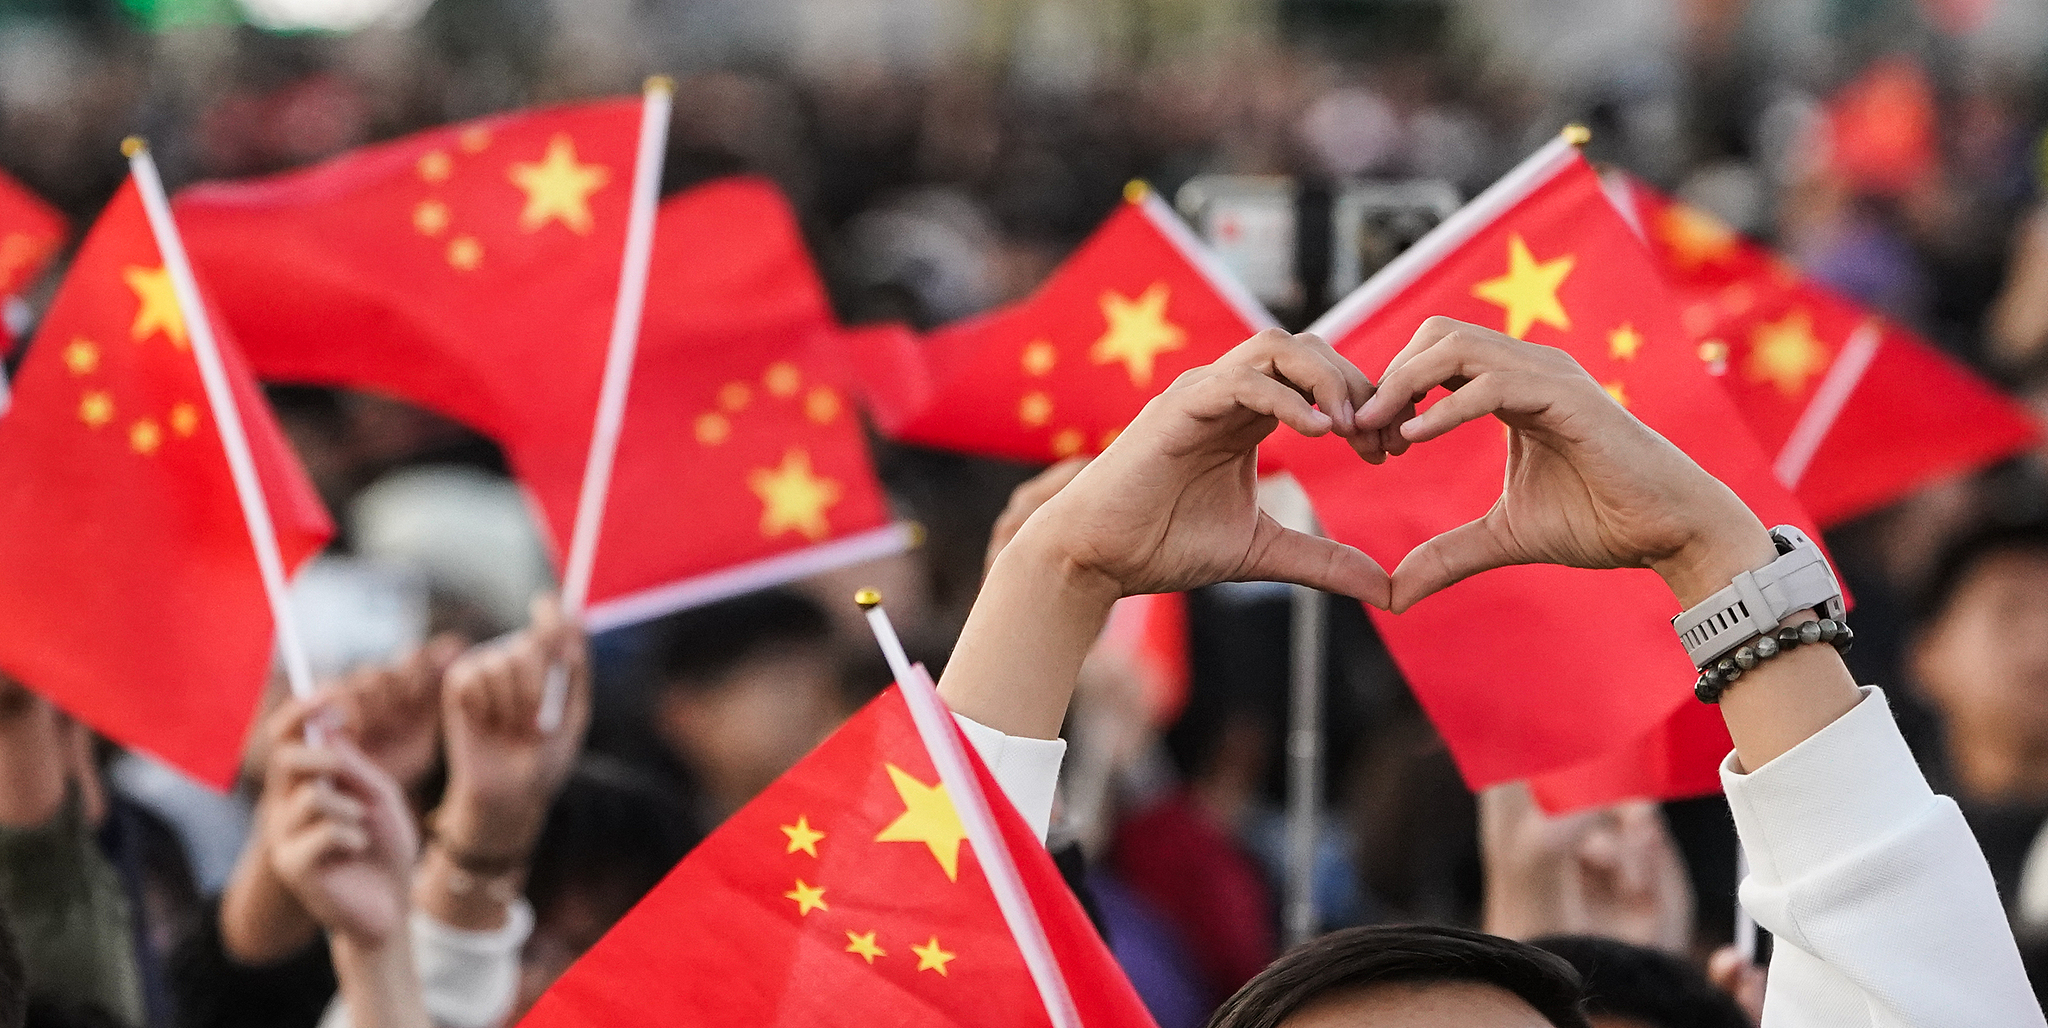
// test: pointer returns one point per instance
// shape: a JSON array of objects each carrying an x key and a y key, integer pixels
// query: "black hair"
[
  {"x": 1646, "y": 985},
  {"x": 697, "y": 647},
  {"x": 1962, "y": 556},
  {"x": 1358, "y": 958},
  {"x": 612, "y": 834},
  {"x": 13, "y": 978}
]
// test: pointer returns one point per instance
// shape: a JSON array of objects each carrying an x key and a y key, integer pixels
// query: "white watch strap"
[{"x": 1756, "y": 601}]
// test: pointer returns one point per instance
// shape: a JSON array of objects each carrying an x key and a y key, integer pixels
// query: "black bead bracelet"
[{"x": 1715, "y": 678}]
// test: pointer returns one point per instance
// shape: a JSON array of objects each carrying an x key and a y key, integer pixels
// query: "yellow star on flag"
[
  {"x": 558, "y": 187},
  {"x": 1623, "y": 342},
  {"x": 931, "y": 958},
  {"x": 1785, "y": 353},
  {"x": 1695, "y": 237},
  {"x": 928, "y": 817},
  {"x": 864, "y": 945},
  {"x": 802, "y": 837},
  {"x": 82, "y": 357},
  {"x": 792, "y": 498},
  {"x": 1138, "y": 332},
  {"x": 96, "y": 408},
  {"x": 807, "y": 897},
  {"x": 1619, "y": 391},
  {"x": 156, "y": 305},
  {"x": 1528, "y": 292}
]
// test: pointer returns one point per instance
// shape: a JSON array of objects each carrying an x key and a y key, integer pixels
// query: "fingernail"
[
  {"x": 1347, "y": 415},
  {"x": 1320, "y": 420}
]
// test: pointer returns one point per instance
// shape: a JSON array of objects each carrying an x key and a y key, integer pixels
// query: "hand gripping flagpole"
[
  {"x": 659, "y": 98},
  {"x": 220, "y": 398},
  {"x": 956, "y": 775}
]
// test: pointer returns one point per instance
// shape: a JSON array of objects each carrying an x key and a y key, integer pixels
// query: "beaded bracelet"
[{"x": 1715, "y": 678}]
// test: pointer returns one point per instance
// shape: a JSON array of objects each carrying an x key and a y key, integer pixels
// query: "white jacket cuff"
[
  {"x": 1028, "y": 769},
  {"x": 470, "y": 979}
]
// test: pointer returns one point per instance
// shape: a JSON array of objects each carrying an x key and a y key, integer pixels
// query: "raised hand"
[
  {"x": 1587, "y": 484},
  {"x": 1613, "y": 872},
  {"x": 393, "y": 711},
  {"x": 341, "y": 839}
]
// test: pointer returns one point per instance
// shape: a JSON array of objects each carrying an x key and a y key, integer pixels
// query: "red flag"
[
  {"x": 30, "y": 232},
  {"x": 129, "y": 590},
  {"x": 1530, "y": 669},
  {"x": 1825, "y": 385},
  {"x": 1063, "y": 371},
  {"x": 848, "y": 893},
  {"x": 473, "y": 269}
]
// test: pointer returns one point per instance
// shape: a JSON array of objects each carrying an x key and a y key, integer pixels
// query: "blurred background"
[{"x": 945, "y": 155}]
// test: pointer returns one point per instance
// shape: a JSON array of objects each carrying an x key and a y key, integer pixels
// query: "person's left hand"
[
  {"x": 393, "y": 711},
  {"x": 1613, "y": 872},
  {"x": 345, "y": 843}
]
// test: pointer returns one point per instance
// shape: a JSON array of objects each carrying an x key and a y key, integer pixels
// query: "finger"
[
  {"x": 294, "y": 762},
  {"x": 1484, "y": 395},
  {"x": 1312, "y": 368},
  {"x": 1448, "y": 361},
  {"x": 1445, "y": 559},
  {"x": 1357, "y": 386},
  {"x": 1247, "y": 389},
  {"x": 383, "y": 806},
  {"x": 526, "y": 677},
  {"x": 1289, "y": 556}
]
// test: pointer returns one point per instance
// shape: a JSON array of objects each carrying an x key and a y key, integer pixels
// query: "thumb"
[
  {"x": 1446, "y": 559},
  {"x": 1290, "y": 556}
]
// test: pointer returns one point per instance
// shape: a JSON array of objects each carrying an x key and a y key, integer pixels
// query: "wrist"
[
  {"x": 1709, "y": 563},
  {"x": 1043, "y": 562},
  {"x": 261, "y": 922},
  {"x": 466, "y": 896},
  {"x": 483, "y": 837}
]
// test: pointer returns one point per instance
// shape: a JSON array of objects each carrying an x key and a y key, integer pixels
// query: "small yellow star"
[
  {"x": 1039, "y": 358},
  {"x": 1623, "y": 342},
  {"x": 1034, "y": 409},
  {"x": 82, "y": 356},
  {"x": 802, "y": 837},
  {"x": 1618, "y": 391},
  {"x": 1068, "y": 443},
  {"x": 807, "y": 897},
  {"x": 430, "y": 218},
  {"x": 734, "y": 396},
  {"x": 436, "y": 166},
  {"x": 1528, "y": 292},
  {"x": 1138, "y": 332},
  {"x": 792, "y": 498},
  {"x": 144, "y": 437},
  {"x": 156, "y": 307},
  {"x": 184, "y": 420},
  {"x": 96, "y": 408},
  {"x": 864, "y": 945},
  {"x": 713, "y": 429},
  {"x": 558, "y": 187},
  {"x": 928, "y": 817},
  {"x": 1785, "y": 353},
  {"x": 465, "y": 253},
  {"x": 782, "y": 380},
  {"x": 931, "y": 958},
  {"x": 821, "y": 405},
  {"x": 1695, "y": 238}
]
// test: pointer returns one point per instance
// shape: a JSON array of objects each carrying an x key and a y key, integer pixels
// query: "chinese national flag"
[
  {"x": 845, "y": 894},
  {"x": 1825, "y": 385},
  {"x": 30, "y": 232},
  {"x": 129, "y": 592},
  {"x": 1531, "y": 669},
  {"x": 1062, "y": 372}
]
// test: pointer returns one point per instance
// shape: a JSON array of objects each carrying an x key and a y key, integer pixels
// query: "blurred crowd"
[{"x": 944, "y": 157}]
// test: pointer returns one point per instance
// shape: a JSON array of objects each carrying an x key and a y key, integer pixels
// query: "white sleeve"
[
  {"x": 1028, "y": 769},
  {"x": 1881, "y": 903},
  {"x": 470, "y": 979}
]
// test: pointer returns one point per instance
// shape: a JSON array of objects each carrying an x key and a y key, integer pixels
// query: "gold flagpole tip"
[
  {"x": 1136, "y": 190},
  {"x": 659, "y": 84},
  {"x": 868, "y": 599},
  {"x": 1576, "y": 134},
  {"x": 133, "y": 145}
]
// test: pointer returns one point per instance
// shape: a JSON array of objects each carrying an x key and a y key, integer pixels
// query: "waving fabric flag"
[
  {"x": 30, "y": 232},
  {"x": 1551, "y": 667},
  {"x": 1062, "y": 372},
  {"x": 1824, "y": 384},
  {"x": 129, "y": 589},
  {"x": 850, "y": 893}
]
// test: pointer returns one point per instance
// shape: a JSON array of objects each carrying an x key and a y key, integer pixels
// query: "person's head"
[
  {"x": 745, "y": 688},
  {"x": 1630, "y": 986},
  {"x": 1409, "y": 977},
  {"x": 1981, "y": 655}
]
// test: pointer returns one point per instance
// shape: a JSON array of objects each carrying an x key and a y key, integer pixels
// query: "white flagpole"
[
  {"x": 220, "y": 399},
  {"x": 956, "y": 774},
  {"x": 659, "y": 98}
]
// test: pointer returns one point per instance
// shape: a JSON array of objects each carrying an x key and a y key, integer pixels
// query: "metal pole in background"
[{"x": 1304, "y": 764}]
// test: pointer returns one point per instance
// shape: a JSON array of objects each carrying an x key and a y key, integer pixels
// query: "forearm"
[
  {"x": 379, "y": 983},
  {"x": 261, "y": 922},
  {"x": 1020, "y": 653},
  {"x": 471, "y": 900}
]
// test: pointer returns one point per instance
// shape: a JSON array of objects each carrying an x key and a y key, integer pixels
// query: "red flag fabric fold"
[{"x": 30, "y": 233}]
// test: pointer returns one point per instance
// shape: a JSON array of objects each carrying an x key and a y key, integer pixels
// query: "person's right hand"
[
  {"x": 1587, "y": 484},
  {"x": 342, "y": 840},
  {"x": 393, "y": 711}
]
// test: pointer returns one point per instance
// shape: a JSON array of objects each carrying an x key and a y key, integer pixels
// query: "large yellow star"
[
  {"x": 807, "y": 897},
  {"x": 1138, "y": 332},
  {"x": 1785, "y": 353},
  {"x": 1528, "y": 292},
  {"x": 930, "y": 957},
  {"x": 864, "y": 946},
  {"x": 558, "y": 188},
  {"x": 1694, "y": 237},
  {"x": 792, "y": 498},
  {"x": 156, "y": 305},
  {"x": 928, "y": 817},
  {"x": 802, "y": 837}
]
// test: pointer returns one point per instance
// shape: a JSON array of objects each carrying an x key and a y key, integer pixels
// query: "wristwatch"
[{"x": 1754, "y": 604}]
